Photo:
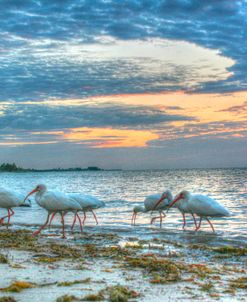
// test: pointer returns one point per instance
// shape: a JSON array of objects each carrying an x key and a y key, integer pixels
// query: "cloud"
[
  {"x": 36, "y": 117},
  {"x": 213, "y": 130},
  {"x": 35, "y": 34},
  {"x": 240, "y": 109},
  {"x": 107, "y": 66}
]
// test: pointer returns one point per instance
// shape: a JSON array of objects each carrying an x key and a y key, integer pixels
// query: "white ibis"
[
  {"x": 88, "y": 203},
  {"x": 53, "y": 202},
  {"x": 9, "y": 200},
  {"x": 154, "y": 202},
  {"x": 183, "y": 208},
  {"x": 201, "y": 205}
]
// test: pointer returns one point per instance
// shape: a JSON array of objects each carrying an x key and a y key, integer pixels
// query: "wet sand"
[{"x": 106, "y": 265}]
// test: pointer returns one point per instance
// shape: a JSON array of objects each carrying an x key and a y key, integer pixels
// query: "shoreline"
[{"x": 103, "y": 265}]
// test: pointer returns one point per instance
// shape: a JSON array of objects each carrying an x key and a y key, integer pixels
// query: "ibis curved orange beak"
[
  {"x": 32, "y": 192},
  {"x": 159, "y": 201},
  {"x": 174, "y": 201}
]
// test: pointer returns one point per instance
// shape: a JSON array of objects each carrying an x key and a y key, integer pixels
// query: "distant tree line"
[{"x": 6, "y": 167}]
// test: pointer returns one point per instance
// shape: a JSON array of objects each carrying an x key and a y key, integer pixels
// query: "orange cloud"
[
  {"x": 110, "y": 138},
  {"x": 221, "y": 115},
  {"x": 206, "y": 107}
]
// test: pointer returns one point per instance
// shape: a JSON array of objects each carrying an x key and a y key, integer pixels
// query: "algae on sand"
[
  {"x": 69, "y": 283},
  {"x": 168, "y": 270},
  {"x": 93, "y": 297},
  {"x": 239, "y": 283},
  {"x": 7, "y": 299},
  {"x": 231, "y": 250},
  {"x": 18, "y": 286},
  {"x": 3, "y": 259},
  {"x": 120, "y": 293},
  {"x": 66, "y": 298}
]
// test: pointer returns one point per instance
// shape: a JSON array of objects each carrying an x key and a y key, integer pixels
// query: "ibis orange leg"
[
  {"x": 79, "y": 218},
  {"x": 62, "y": 220},
  {"x": 52, "y": 217},
  {"x": 161, "y": 216},
  {"x": 95, "y": 217},
  {"x": 74, "y": 221},
  {"x": 199, "y": 225},
  {"x": 184, "y": 221},
  {"x": 84, "y": 218},
  {"x": 43, "y": 226},
  {"x": 194, "y": 220},
  {"x": 210, "y": 223}
]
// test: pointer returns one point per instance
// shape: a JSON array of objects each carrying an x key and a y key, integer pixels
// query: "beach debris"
[
  {"x": 116, "y": 293},
  {"x": 3, "y": 259},
  {"x": 67, "y": 298},
  {"x": 161, "y": 270},
  {"x": 16, "y": 265},
  {"x": 69, "y": 283},
  {"x": 94, "y": 297},
  {"x": 120, "y": 293},
  {"x": 18, "y": 286},
  {"x": 47, "y": 259},
  {"x": 239, "y": 283},
  {"x": 207, "y": 287},
  {"x": 7, "y": 299},
  {"x": 231, "y": 250},
  {"x": 201, "y": 270},
  {"x": 156, "y": 267}
]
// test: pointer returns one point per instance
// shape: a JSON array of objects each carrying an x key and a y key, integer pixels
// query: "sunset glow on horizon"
[{"x": 197, "y": 109}]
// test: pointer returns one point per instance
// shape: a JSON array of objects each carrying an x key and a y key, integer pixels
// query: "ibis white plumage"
[
  {"x": 53, "y": 202},
  {"x": 88, "y": 203},
  {"x": 201, "y": 205},
  {"x": 8, "y": 201},
  {"x": 155, "y": 202},
  {"x": 183, "y": 208}
]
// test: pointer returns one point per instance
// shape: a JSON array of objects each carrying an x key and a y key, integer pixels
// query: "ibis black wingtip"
[{"x": 25, "y": 205}]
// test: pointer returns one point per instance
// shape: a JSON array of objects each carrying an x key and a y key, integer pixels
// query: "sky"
[{"x": 131, "y": 84}]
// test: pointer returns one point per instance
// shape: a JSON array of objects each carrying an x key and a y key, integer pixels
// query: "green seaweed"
[
  {"x": 201, "y": 270},
  {"x": 207, "y": 287},
  {"x": 94, "y": 297},
  {"x": 18, "y": 239},
  {"x": 120, "y": 293},
  {"x": 47, "y": 259},
  {"x": 114, "y": 252},
  {"x": 67, "y": 298},
  {"x": 239, "y": 283},
  {"x": 3, "y": 259},
  {"x": 7, "y": 299},
  {"x": 236, "y": 251},
  {"x": 69, "y": 283},
  {"x": 168, "y": 270}
]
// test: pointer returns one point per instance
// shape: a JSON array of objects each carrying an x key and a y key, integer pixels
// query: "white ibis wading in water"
[
  {"x": 154, "y": 202},
  {"x": 183, "y": 208},
  {"x": 201, "y": 205},
  {"x": 88, "y": 203},
  {"x": 53, "y": 202},
  {"x": 10, "y": 200}
]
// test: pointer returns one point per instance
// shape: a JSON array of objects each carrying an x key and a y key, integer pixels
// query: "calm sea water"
[{"x": 122, "y": 190}]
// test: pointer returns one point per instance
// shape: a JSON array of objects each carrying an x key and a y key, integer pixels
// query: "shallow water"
[{"x": 122, "y": 190}]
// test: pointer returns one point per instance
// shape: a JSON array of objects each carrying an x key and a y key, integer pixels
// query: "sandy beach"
[{"x": 107, "y": 266}]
